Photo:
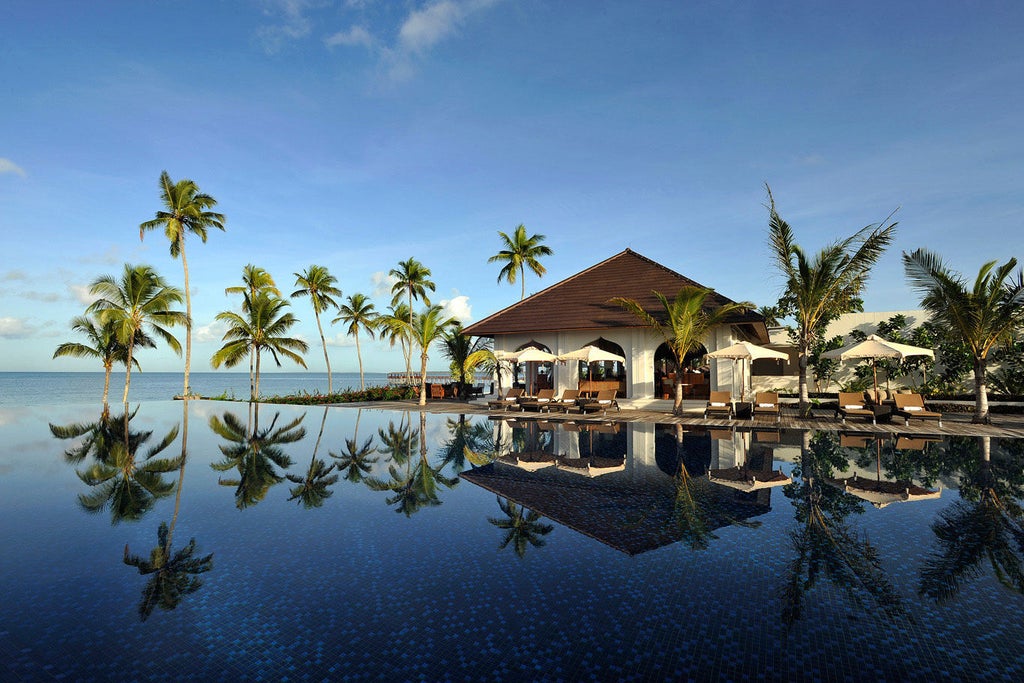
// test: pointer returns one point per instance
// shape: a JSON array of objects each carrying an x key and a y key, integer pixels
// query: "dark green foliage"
[
  {"x": 174, "y": 575},
  {"x": 522, "y": 527}
]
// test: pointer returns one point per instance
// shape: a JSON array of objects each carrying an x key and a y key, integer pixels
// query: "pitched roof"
[{"x": 580, "y": 302}]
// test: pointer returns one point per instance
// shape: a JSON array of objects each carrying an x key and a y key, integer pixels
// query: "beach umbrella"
[
  {"x": 875, "y": 347},
  {"x": 745, "y": 351},
  {"x": 591, "y": 354}
]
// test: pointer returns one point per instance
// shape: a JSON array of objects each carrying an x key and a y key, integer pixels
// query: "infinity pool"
[{"x": 462, "y": 548}]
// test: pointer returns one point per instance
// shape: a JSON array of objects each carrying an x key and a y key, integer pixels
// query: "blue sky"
[{"x": 358, "y": 133}]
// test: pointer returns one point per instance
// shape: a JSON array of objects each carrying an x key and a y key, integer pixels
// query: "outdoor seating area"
[
  {"x": 720, "y": 405},
  {"x": 911, "y": 406}
]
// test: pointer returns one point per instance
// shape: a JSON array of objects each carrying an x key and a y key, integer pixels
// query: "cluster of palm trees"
[{"x": 138, "y": 308}]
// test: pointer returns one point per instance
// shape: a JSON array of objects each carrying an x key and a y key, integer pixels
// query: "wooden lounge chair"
[
  {"x": 912, "y": 406},
  {"x": 766, "y": 403},
  {"x": 853, "y": 404},
  {"x": 568, "y": 399},
  {"x": 509, "y": 400},
  {"x": 605, "y": 400},
  {"x": 719, "y": 403},
  {"x": 540, "y": 402}
]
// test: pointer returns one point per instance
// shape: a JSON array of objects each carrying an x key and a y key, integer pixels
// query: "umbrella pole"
[{"x": 874, "y": 372}]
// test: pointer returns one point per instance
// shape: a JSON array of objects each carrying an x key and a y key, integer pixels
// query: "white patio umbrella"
[
  {"x": 748, "y": 352},
  {"x": 534, "y": 355},
  {"x": 591, "y": 354},
  {"x": 875, "y": 347}
]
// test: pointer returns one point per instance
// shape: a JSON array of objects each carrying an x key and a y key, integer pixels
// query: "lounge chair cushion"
[
  {"x": 765, "y": 405},
  {"x": 912, "y": 409},
  {"x": 716, "y": 404}
]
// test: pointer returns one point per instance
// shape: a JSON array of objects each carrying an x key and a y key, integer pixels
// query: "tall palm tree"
[
  {"x": 822, "y": 287},
  {"x": 983, "y": 317},
  {"x": 317, "y": 283},
  {"x": 464, "y": 353},
  {"x": 520, "y": 252},
  {"x": 254, "y": 280},
  {"x": 684, "y": 323},
  {"x": 185, "y": 211},
  {"x": 139, "y": 303},
  {"x": 412, "y": 280},
  {"x": 427, "y": 328},
  {"x": 102, "y": 344},
  {"x": 358, "y": 313},
  {"x": 262, "y": 327},
  {"x": 393, "y": 327}
]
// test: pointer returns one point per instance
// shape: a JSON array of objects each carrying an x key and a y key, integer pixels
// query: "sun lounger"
[
  {"x": 605, "y": 400},
  {"x": 509, "y": 400},
  {"x": 912, "y": 406},
  {"x": 540, "y": 402},
  {"x": 766, "y": 403},
  {"x": 567, "y": 400},
  {"x": 719, "y": 403},
  {"x": 853, "y": 404}
]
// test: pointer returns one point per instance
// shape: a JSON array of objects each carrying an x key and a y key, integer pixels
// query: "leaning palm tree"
[
  {"x": 104, "y": 346},
  {"x": 427, "y": 328},
  {"x": 261, "y": 328},
  {"x": 822, "y": 287},
  {"x": 982, "y": 317},
  {"x": 684, "y": 323},
  {"x": 137, "y": 305},
  {"x": 358, "y": 313},
  {"x": 317, "y": 283},
  {"x": 254, "y": 280},
  {"x": 185, "y": 211},
  {"x": 520, "y": 252},
  {"x": 412, "y": 280},
  {"x": 394, "y": 328}
]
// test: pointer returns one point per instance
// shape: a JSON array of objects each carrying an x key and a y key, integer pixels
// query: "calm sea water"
[{"x": 37, "y": 388}]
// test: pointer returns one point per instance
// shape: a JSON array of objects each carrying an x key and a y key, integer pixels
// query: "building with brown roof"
[{"x": 577, "y": 311}]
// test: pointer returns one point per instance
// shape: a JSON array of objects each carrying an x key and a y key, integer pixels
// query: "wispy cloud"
[
  {"x": 341, "y": 340},
  {"x": 214, "y": 332},
  {"x": 15, "y": 328},
  {"x": 13, "y": 275},
  {"x": 81, "y": 294},
  {"x": 290, "y": 23},
  {"x": 382, "y": 283},
  {"x": 356, "y": 36},
  {"x": 8, "y": 166}
]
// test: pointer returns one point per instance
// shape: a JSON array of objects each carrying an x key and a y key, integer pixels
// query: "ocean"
[{"x": 49, "y": 388}]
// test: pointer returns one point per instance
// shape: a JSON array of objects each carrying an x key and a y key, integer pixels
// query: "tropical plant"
[
  {"x": 983, "y": 317},
  {"x": 820, "y": 288},
  {"x": 522, "y": 527},
  {"x": 254, "y": 453},
  {"x": 174, "y": 573},
  {"x": 354, "y": 459},
  {"x": 519, "y": 253},
  {"x": 314, "y": 487},
  {"x": 254, "y": 280},
  {"x": 103, "y": 345},
  {"x": 417, "y": 486},
  {"x": 317, "y": 283},
  {"x": 684, "y": 323},
  {"x": 393, "y": 327},
  {"x": 412, "y": 280},
  {"x": 428, "y": 327},
  {"x": 185, "y": 211},
  {"x": 140, "y": 302},
  {"x": 464, "y": 353},
  {"x": 262, "y": 327},
  {"x": 358, "y": 314}
]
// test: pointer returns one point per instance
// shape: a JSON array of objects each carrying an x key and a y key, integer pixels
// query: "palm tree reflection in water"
[
  {"x": 124, "y": 480},
  {"x": 254, "y": 453},
  {"x": 824, "y": 544},
  {"x": 313, "y": 488},
  {"x": 523, "y": 527},
  {"x": 416, "y": 486},
  {"x": 984, "y": 524},
  {"x": 354, "y": 459}
]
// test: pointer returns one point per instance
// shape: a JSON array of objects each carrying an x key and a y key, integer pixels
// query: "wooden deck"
[{"x": 953, "y": 424}]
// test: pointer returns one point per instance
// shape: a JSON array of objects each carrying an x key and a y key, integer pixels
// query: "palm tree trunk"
[
  {"x": 980, "y": 393},
  {"x": 359, "y": 357},
  {"x": 107, "y": 367},
  {"x": 327, "y": 360},
  {"x": 805, "y": 403},
  {"x": 522, "y": 283},
  {"x": 188, "y": 314},
  {"x": 181, "y": 471},
  {"x": 423, "y": 377},
  {"x": 677, "y": 406},
  {"x": 252, "y": 372},
  {"x": 256, "y": 386},
  {"x": 128, "y": 370}
]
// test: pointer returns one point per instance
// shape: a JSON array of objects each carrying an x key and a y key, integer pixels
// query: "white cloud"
[
  {"x": 354, "y": 37},
  {"x": 8, "y": 166},
  {"x": 110, "y": 257},
  {"x": 458, "y": 307},
  {"x": 382, "y": 283},
  {"x": 292, "y": 24},
  {"x": 426, "y": 27},
  {"x": 15, "y": 328},
  {"x": 46, "y": 297},
  {"x": 13, "y": 275},
  {"x": 214, "y": 332},
  {"x": 343, "y": 340},
  {"x": 81, "y": 294}
]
